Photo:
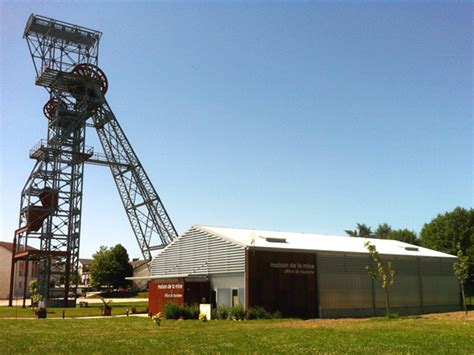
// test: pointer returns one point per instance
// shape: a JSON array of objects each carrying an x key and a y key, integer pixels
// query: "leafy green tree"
[
  {"x": 361, "y": 231},
  {"x": 124, "y": 268},
  {"x": 383, "y": 231},
  {"x": 110, "y": 267},
  {"x": 74, "y": 278},
  {"x": 385, "y": 273},
  {"x": 102, "y": 267},
  {"x": 447, "y": 230},
  {"x": 404, "y": 235},
  {"x": 461, "y": 270}
]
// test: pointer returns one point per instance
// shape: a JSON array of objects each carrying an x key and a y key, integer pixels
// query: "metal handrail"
[
  {"x": 103, "y": 158},
  {"x": 44, "y": 144}
]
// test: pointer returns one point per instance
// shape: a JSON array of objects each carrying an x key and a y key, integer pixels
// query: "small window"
[
  {"x": 275, "y": 240},
  {"x": 235, "y": 297},
  {"x": 412, "y": 249}
]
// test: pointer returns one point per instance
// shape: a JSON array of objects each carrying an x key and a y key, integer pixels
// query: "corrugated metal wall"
[
  {"x": 405, "y": 297},
  {"x": 343, "y": 285},
  {"x": 421, "y": 285},
  {"x": 438, "y": 285},
  {"x": 197, "y": 252}
]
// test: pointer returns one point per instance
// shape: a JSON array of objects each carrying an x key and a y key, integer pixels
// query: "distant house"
[
  {"x": 140, "y": 269},
  {"x": 19, "y": 278},
  {"x": 84, "y": 272}
]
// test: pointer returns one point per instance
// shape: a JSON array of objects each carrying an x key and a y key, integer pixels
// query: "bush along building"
[{"x": 299, "y": 275}]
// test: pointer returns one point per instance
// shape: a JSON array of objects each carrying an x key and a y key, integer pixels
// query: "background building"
[
  {"x": 19, "y": 279},
  {"x": 304, "y": 275},
  {"x": 84, "y": 272},
  {"x": 141, "y": 271}
]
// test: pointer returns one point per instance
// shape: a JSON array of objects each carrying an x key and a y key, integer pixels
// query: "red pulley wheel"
[
  {"x": 92, "y": 72},
  {"x": 51, "y": 106}
]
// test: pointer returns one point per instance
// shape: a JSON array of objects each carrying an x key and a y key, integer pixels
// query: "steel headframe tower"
[{"x": 65, "y": 58}]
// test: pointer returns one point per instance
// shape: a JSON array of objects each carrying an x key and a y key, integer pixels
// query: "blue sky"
[{"x": 292, "y": 116}]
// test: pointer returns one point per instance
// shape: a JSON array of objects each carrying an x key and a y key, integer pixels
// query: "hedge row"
[{"x": 176, "y": 311}]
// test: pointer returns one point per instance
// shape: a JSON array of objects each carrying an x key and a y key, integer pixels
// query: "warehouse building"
[{"x": 300, "y": 275}]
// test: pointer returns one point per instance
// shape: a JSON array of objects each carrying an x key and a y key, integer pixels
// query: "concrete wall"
[
  {"x": 223, "y": 285},
  {"x": 5, "y": 265}
]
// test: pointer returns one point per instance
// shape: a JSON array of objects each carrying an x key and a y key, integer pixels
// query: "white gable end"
[{"x": 198, "y": 252}]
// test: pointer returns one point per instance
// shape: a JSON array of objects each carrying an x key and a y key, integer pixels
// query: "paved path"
[
  {"x": 114, "y": 300},
  {"x": 143, "y": 315},
  {"x": 81, "y": 299}
]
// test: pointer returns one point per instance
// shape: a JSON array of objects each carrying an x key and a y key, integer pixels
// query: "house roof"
[
  {"x": 9, "y": 246},
  {"x": 6, "y": 245},
  {"x": 316, "y": 242},
  {"x": 137, "y": 263},
  {"x": 86, "y": 261}
]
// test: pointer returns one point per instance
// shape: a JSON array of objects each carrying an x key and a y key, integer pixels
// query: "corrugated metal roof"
[{"x": 321, "y": 242}]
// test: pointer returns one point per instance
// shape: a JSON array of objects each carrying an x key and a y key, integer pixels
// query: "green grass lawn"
[
  {"x": 141, "y": 335},
  {"x": 94, "y": 309}
]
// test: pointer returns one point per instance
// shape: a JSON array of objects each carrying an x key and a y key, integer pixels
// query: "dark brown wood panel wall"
[
  {"x": 194, "y": 292},
  {"x": 283, "y": 281}
]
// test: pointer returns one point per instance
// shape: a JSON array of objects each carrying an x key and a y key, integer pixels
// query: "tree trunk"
[
  {"x": 387, "y": 302},
  {"x": 463, "y": 299}
]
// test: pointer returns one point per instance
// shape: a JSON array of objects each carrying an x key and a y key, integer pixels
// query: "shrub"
[
  {"x": 191, "y": 312},
  {"x": 222, "y": 312},
  {"x": 173, "y": 311},
  {"x": 237, "y": 312},
  {"x": 214, "y": 313},
  {"x": 258, "y": 313},
  {"x": 392, "y": 315},
  {"x": 275, "y": 315}
]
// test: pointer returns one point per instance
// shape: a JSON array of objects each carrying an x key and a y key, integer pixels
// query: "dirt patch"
[
  {"x": 314, "y": 323},
  {"x": 342, "y": 322},
  {"x": 450, "y": 315}
]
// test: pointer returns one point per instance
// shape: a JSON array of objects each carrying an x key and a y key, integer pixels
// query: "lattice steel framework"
[{"x": 65, "y": 58}]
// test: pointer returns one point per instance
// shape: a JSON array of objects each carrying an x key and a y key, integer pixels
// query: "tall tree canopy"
[
  {"x": 362, "y": 231},
  {"x": 384, "y": 231},
  {"x": 404, "y": 235},
  {"x": 110, "y": 267},
  {"x": 447, "y": 230}
]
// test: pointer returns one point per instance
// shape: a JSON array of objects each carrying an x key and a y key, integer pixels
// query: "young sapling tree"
[
  {"x": 385, "y": 274},
  {"x": 461, "y": 270}
]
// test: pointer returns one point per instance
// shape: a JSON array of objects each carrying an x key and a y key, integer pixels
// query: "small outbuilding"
[{"x": 298, "y": 274}]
